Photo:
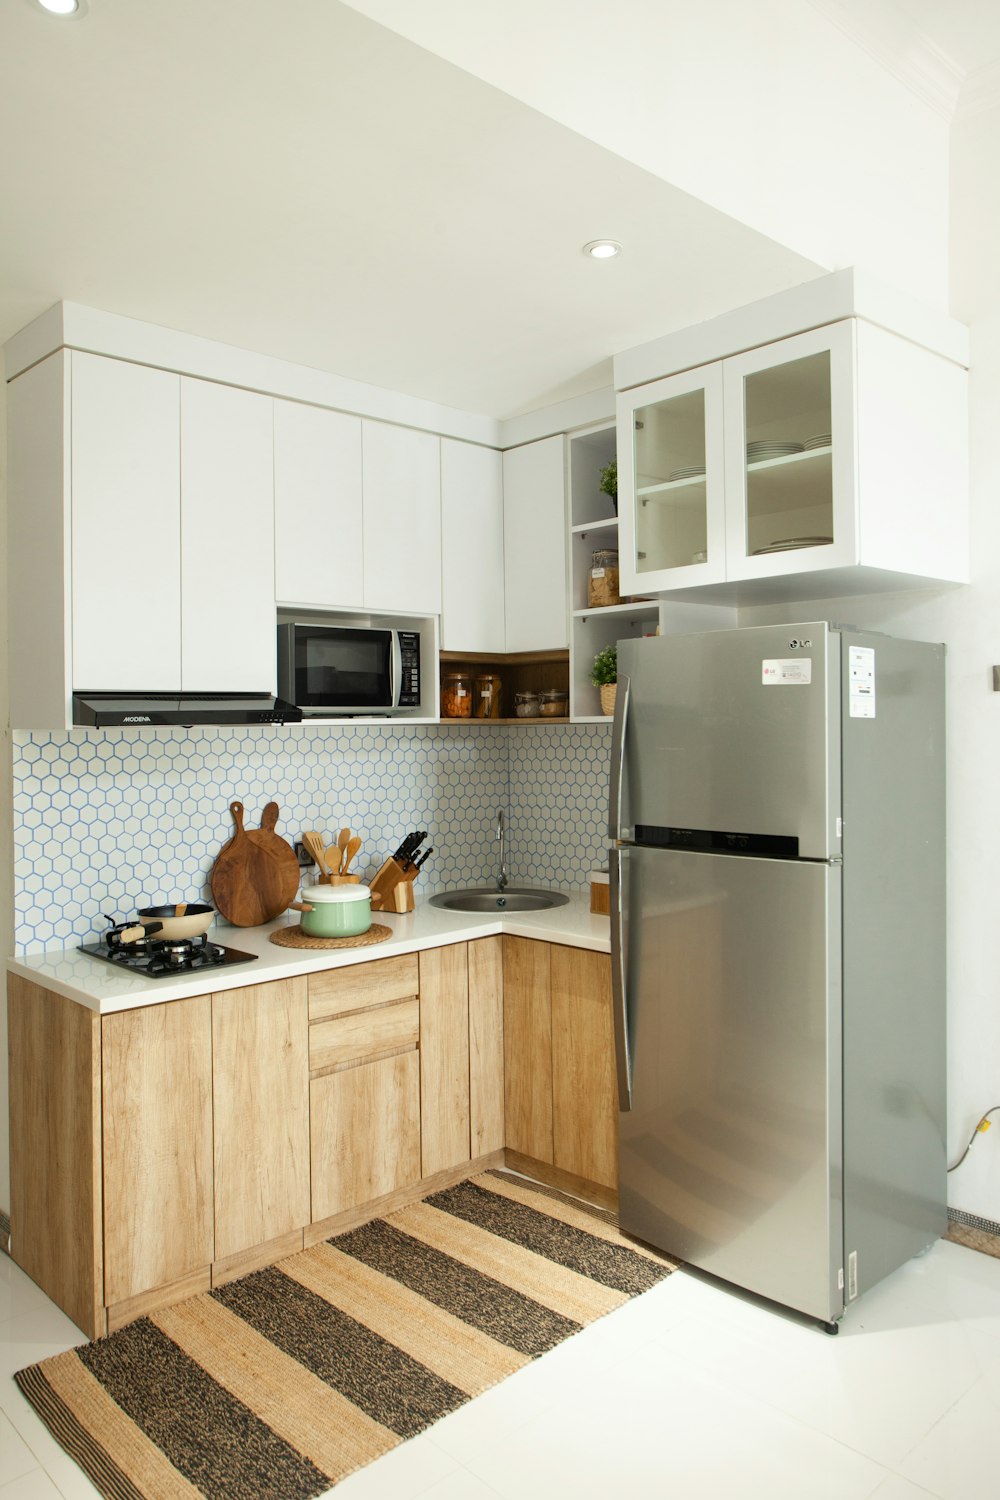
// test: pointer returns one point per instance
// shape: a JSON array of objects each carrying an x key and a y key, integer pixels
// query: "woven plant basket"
[{"x": 608, "y": 691}]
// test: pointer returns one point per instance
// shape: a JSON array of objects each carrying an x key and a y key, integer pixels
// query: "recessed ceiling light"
[
  {"x": 62, "y": 7},
  {"x": 602, "y": 249}
]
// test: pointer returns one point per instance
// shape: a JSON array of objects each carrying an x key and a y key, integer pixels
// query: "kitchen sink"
[{"x": 512, "y": 899}]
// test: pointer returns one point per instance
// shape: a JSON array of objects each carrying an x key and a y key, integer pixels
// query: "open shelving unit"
[
  {"x": 593, "y": 526},
  {"x": 519, "y": 672}
]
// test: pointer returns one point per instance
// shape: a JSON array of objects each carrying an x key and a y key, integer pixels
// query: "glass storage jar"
[
  {"x": 488, "y": 696},
  {"x": 602, "y": 584},
  {"x": 553, "y": 703},
  {"x": 456, "y": 695},
  {"x": 526, "y": 706}
]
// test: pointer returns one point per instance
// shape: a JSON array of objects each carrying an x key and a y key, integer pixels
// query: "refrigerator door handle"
[
  {"x": 618, "y": 757},
  {"x": 619, "y": 1002}
]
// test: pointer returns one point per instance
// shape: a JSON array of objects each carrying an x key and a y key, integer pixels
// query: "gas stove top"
[{"x": 161, "y": 959}]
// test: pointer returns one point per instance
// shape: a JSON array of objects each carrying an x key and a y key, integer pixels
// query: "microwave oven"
[{"x": 333, "y": 670}]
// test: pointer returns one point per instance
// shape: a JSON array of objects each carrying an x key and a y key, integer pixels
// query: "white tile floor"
[{"x": 687, "y": 1392}]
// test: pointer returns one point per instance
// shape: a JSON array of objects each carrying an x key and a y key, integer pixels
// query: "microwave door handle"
[{"x": 395, "y": 668}]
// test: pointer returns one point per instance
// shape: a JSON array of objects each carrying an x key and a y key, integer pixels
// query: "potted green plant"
[
  {"x": 604, "y": 675},
  {"x": 609, "y": 482}
]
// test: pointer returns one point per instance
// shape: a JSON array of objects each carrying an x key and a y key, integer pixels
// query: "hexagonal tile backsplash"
[{"x": 106, "y": 821}]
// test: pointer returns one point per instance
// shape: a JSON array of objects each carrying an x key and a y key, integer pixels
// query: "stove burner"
[{"x": 156, "y": 957}]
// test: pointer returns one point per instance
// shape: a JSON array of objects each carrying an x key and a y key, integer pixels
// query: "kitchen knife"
[
  {"x": 419, "y": 863},
  {"x": 409, "y": 845}
]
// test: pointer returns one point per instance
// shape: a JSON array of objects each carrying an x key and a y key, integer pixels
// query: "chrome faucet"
[{"x": 501, "y": 838}]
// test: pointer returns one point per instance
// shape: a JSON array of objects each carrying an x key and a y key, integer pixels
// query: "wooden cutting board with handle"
[{"x": 256, "y": 875}]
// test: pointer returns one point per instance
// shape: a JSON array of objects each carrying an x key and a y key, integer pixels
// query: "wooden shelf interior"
[{"x": 519, "y": 672}]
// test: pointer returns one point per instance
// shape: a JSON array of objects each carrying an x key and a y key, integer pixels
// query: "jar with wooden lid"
[
  {"x": 456, "y": 695},
  {"x": 487, "y": 699},
  {"x": 602, "y": 584}
]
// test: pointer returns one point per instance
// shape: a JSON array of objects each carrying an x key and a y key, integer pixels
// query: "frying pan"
[{"x": 179, "y": 919}]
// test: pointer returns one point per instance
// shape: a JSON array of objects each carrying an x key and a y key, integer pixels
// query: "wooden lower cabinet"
[
  {"x": 260, "y": 1092},
  {"x": 159, "y": 1151},
  {"x": 584, "y": 1078},
  {"x": 527, "y": 1047},
  {"x": 560, "y": 1084},
  {"x": 365, "y": 1132},
  {"x": 444, "y": 1058},
  {"x": 157, "y": 1118},
  {"x": 56, "y": 1225}
]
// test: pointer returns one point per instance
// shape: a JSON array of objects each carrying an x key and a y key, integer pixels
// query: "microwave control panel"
[{"x": 409, "y": 652}]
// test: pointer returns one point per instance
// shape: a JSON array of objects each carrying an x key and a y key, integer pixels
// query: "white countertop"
[{"x": 101, "y": 987}]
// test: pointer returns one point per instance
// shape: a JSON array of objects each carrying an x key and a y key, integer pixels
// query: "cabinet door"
[
  {"x": 260, "y": 1078},
  {"x": 671, "y": 508},
  {"x": 472, "y": 571},
  {"x": 527, "y": 1047},
  {"x": 444, "y": 1058},
  {"x": 365, "y": 1133},
  {"x": 126, "y": 518},
  {"x": 402, "y": 518},
  {"x": 157, "y": 1120},
  {"x": 486, "y": 1127},
  {"x": 584, "y": 1083},
  {"x": 318, "y": 558},
  {"x": 228, "y": 633},
  {"x": 791, "y": 488},
  {"x": 534, "y": 546}
]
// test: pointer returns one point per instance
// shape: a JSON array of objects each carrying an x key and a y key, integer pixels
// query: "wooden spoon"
[
  {"x": 314, "y": 844},
  {"x": 352, "y": 848},
  {"x": 342, "y": 843}
]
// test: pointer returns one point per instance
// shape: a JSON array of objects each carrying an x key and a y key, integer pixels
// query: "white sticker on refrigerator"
[
  {"x": 797, "y": 672},
  {"x": 861, "y": 682}
]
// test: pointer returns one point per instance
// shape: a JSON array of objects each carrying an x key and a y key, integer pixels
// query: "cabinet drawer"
[
  {"x": 359, "y": 985},
  {"x": 364, "y": 1034},
  {"x": 365, "y": 1133}
]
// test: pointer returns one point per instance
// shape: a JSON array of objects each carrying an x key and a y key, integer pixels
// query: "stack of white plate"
[
  {"x": 768, "y": 448},
  {"x": 791, "y": 542},
  {"x": 822, "y": 440},
  {"x": 691, "y": 471}
]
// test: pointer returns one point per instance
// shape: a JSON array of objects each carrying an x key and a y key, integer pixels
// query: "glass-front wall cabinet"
[
  {"x": 741, "y": 468},
  {"x": 789, "y": 455},
  {"x": 670, "y": 458}
]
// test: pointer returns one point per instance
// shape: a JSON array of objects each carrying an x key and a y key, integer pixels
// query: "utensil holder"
[{"x": 339, "y": 880}]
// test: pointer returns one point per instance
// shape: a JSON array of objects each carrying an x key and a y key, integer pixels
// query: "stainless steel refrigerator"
[{"x": 778, "y": 954}]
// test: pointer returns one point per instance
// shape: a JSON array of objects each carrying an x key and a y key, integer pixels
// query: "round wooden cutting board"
[{"x": 256, "y": 875}]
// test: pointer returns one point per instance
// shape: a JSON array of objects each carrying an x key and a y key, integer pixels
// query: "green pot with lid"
[{"x": 335, "y": 911}]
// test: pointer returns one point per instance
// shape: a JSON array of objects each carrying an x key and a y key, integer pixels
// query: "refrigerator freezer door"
[
  {"x": 731, "y": 1154},
  {"x": 736, "y": 731}
]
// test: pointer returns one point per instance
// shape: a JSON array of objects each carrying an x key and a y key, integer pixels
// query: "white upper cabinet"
[
  {"x": 829, "y": 462},
  {"x": 318, "y": 550},
  {"x": 126, "y": 533},
  {"x": 534, "y": 505},
  {"x": 227, "y": 540},
  {"x": 402, "y": 518},
  {"x": 472, "y": 581}
]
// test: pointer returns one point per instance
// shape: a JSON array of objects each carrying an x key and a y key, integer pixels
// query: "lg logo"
[{"x": 798, "y": 645}]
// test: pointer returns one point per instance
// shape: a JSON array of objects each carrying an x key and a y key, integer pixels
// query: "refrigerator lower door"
[{"x": 731, "y": 1155}]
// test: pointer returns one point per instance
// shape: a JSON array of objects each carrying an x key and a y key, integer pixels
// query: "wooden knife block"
[{"x": 392, "y": 887}]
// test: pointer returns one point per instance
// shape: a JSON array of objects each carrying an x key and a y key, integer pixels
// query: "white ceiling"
[{"x": 299, "y": 181}]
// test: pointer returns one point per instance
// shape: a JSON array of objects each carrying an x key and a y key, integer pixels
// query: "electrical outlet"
[{"x": 303, "y": 856}]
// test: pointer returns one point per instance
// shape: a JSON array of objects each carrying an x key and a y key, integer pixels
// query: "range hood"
[{"x": 124, "y": 709}]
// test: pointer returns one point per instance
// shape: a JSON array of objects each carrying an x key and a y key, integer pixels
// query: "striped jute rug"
[{"x": 278, "y": 1385}]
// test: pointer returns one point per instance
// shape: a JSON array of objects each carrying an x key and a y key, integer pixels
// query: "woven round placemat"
[{"x": 294, "y": 937}]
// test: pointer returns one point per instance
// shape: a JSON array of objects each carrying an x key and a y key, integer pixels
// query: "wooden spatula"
[
  {"x": 314, "y": 844},
  {"x": 353, "y": 846}
]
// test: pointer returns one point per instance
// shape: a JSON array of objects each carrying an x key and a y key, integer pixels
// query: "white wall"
[
  {"x": 768, "y": 112},
  {"x": 968, "y": 621}
]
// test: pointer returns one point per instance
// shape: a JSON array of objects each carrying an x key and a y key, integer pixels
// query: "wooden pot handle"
[{"x": 299, "y": 906}]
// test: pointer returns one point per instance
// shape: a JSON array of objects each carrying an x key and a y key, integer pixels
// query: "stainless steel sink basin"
[{"x": 515, "y": 898}]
